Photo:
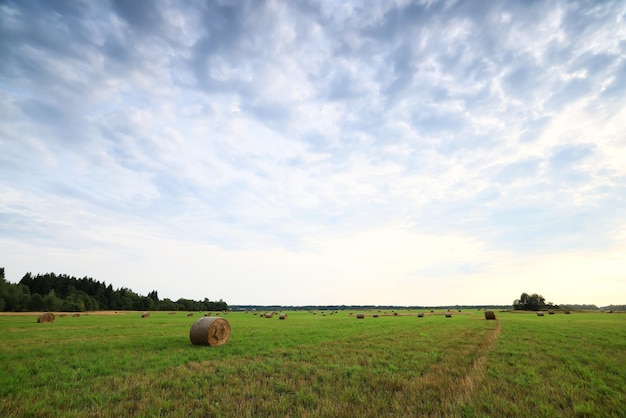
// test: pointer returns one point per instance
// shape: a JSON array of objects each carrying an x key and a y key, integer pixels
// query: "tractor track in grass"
[{"x": 463, "y": 392}]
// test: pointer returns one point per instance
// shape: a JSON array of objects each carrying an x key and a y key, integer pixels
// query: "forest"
[{"x": 53, "y": 292}]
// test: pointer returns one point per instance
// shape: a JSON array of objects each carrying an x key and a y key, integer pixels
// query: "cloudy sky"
[{"x": 323, "y": 152}]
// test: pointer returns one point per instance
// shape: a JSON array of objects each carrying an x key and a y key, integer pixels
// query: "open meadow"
[{"x": 313, "y": 365}]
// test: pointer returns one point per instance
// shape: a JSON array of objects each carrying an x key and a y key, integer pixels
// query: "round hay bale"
[
  {"x": 550, "y": 312},
  {"x": 375, "y": 316},
  {"x": 360, "y": 316},
  {"x": 190, "y": 314},
  {"x": 269, "y": 315},
  {"x": 567, "y": 312},
  {"x": 539, "y": 313},
  {"x": 283, "y": 316},
  {"x": 76, "y": 315},
  {"x": 46, "y": 318},
  {"x": 448, "y": 315},
  {"x": 490, "y": 315},
  {"x": 210, "y": 331},
  {"x": 145, "y": 315},
  {"x": 420, "y": 315}
]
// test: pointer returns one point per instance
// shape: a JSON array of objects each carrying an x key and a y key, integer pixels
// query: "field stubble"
[{"x": 310, "y": 365}]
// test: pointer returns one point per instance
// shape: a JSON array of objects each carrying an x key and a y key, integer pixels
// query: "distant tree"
[
  {"x": 154, "y": 295},
  {"x": 36, "y": 302},
  {"x": 528, "y": 302}
]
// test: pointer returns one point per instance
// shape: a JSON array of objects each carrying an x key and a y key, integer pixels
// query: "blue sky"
[{"x": 323, "y": 152}]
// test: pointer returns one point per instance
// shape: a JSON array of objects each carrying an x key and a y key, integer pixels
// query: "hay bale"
[
  {"x": 360, "y": 316},
  {"x": 210, "y": 331},
  {"x": 375, "y": 315},
  {"x": 490, "y": 315},
  {"x": 420, "y": 315},
  {"x": 62, "y": 315},
  {"x": 283, "y": 316},
  {"x": 567, "y": 312},
  {"x": 448, "y": 315},
  {"x": 269, "y": 315},
  {"x": 190, "y": 314},
  {"x": 550, "y": 312},
  {"x": 539, "y": 313},
  {"x": 145, "y": 315},
  {"x": 76, "y": 315},
  {"x": 46, "y": 318}
]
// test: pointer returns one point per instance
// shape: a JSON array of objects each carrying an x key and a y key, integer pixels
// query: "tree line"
[{"x": 52, "y": 292}]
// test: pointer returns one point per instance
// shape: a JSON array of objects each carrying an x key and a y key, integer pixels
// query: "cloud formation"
[{"x": 408, "y": 152}]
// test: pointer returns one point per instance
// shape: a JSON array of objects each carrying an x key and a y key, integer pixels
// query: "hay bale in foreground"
[
  {"x": 210, "y": 331},
  {"x": 360, "y": 316},
  {"x": 490, "y": 315},
  {"x": 46, "y": 318},
  {"x": 539, "y": 313},
  {"x": 145, "y": 315}
]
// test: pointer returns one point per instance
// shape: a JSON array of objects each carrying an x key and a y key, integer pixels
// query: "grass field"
[{"x": 314, "y": 365}]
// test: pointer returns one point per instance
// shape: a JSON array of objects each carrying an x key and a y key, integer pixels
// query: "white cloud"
[{"x": 246, "y": 135}]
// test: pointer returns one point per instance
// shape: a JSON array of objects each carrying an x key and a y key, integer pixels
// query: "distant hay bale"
[
  {"x": 76, "y": 315},
  {"x": 490, "y": 315},
  {"x": 567, "y": 312},
  {"x": 62, "y": 315},
  {"x": 171, "y": 313},
  {"x": 448, "y": 315},
  {"x": 46, "y": 318},
  {"x": 539, "y": 313},
  {"x": 190, "y": 314},
  {"x": 395, "y": 314},
  {"x": 360, "y": 316},
  {"x": 375, "y": 316},
  {"x": 420, "y": 315},
  {"x": 145, "y": 315},
  {"x": 269, "y": 315},
  {"x": 210, "y": 331},
  {"x": 550, "y": 312},
  {"x": 283, "y": 316}
]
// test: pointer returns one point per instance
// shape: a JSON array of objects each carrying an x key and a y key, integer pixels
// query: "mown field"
[{"x": 314, "y": 365}]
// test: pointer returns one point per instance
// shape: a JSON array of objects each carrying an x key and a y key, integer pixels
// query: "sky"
[{"x": 317, "y": 152}]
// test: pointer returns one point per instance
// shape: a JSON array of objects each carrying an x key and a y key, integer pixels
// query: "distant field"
[{"x": 314, "y": 365}]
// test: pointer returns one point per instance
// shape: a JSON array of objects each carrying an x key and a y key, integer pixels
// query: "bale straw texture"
[
  {"x": 210, "y": 331},
  {"x": 490, "y": 315},
  {"x": 46, "y": 318}
]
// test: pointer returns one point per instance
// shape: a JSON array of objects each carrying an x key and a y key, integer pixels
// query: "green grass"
[{"x": 309, "y": 365}]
